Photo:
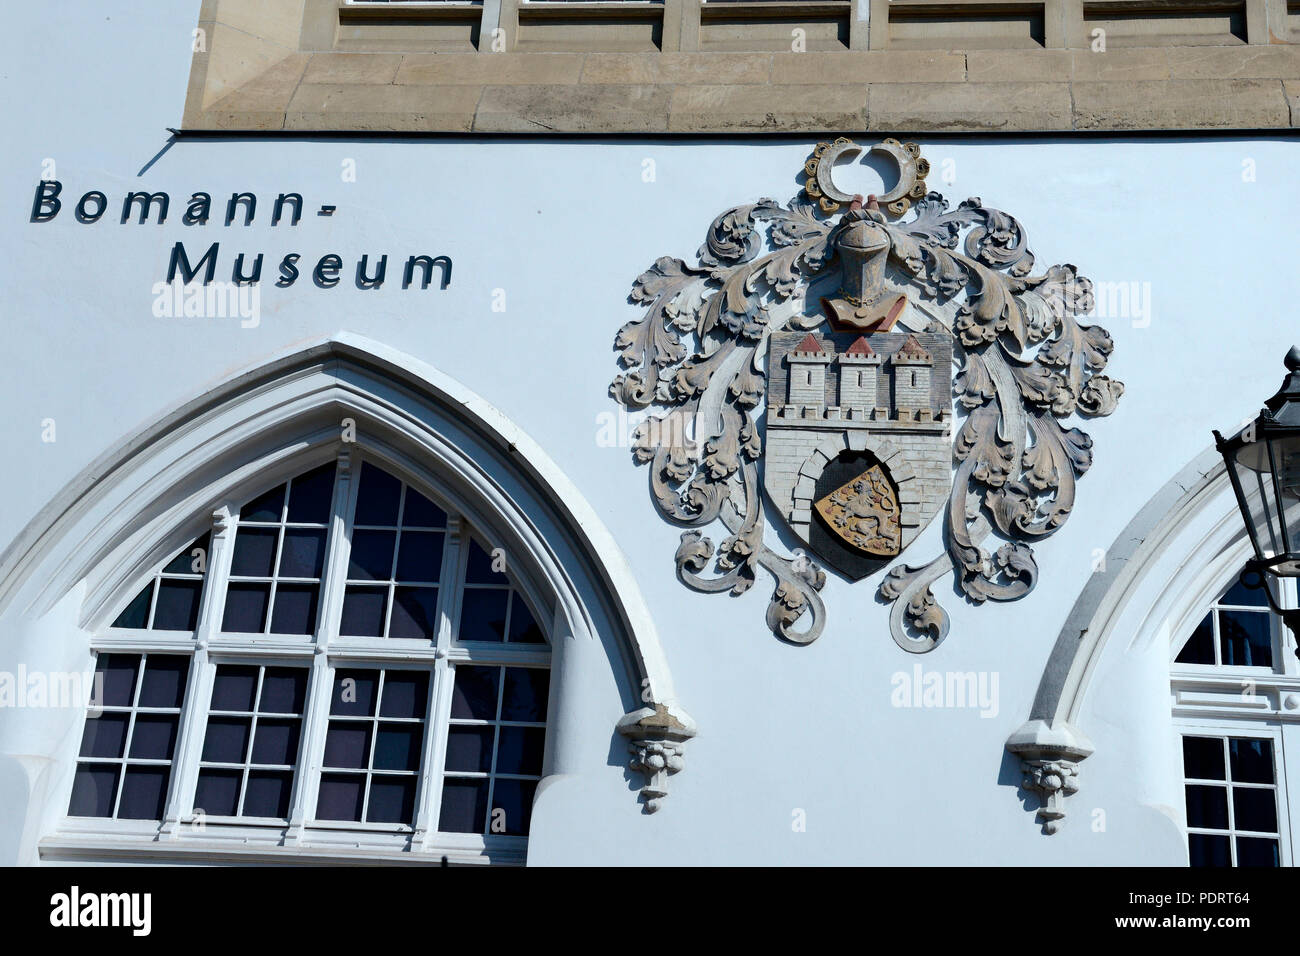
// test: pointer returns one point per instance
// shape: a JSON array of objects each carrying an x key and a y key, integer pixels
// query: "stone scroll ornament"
[{"x": 848, "y": 327}]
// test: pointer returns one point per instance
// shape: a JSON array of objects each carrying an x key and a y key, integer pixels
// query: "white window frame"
[
  {"x": 185, "y": 832},
  {"x": 1217, "y": 700}
]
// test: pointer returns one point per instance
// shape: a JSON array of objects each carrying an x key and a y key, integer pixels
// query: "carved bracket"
[
  {"x": 1049, "y": 761},
  {"x": 656, "y": 735}
]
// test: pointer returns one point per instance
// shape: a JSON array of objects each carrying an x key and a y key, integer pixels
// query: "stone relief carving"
[{"x": 961, "y": 282}]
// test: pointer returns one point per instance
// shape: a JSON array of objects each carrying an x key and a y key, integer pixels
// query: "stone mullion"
[
  {"x": 878, "y": 24},
  {"x": 508, "y": 21},
  {"x": 688, "y": 40},
  {"x": 198, "y": 691},
  {"x": 859, "y": 24},
  {"x": 1263, "y": 21},
  {"x": 673, "y": 28},
  {"x": 316, "y": 711}
]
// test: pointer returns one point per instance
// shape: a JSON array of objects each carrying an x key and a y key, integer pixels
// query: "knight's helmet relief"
[{"x": 838, "y": 422}]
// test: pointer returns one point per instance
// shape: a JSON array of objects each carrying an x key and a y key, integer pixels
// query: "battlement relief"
[
  {"x": 866, "y": 427},
  {"x": 878, "y": 379}
]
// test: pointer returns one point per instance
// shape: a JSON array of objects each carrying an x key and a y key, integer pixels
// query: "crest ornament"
[{"x": 856, "y": 327}]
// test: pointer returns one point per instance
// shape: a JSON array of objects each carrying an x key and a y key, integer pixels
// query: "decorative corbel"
[
  {"x": 657, "y": 735},
  {"x": 1049, "y": 760}
]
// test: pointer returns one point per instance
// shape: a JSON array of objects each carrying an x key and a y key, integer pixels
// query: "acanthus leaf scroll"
[{"x": 694, "y": 361}]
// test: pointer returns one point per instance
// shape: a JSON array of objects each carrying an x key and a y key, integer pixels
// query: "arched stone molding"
[
  {"x": 826, "y": 451},
  {"x": 150, "y": 495},
  {"x": 1154, "y": 582}
]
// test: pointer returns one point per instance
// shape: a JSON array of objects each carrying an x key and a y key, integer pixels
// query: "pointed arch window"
[
  {"x": 344, "y": 660},
  {"x": 1235, "y": 703}
]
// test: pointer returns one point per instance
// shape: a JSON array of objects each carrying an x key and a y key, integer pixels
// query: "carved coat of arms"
[{"x": 850, "y": 317}]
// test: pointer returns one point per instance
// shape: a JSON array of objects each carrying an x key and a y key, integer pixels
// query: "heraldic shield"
[{"x": 858, "y": 450}]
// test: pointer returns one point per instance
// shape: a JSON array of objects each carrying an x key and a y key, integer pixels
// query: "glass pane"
[
  {"x": 217, "y": 793},
  {"x": 267, "y": 507},
  {"x": 474, "y": 694},
  {"x": 1254, "y": 808},
  {"x": 1252, "y": 760},
  {"x": 1208, "y": 850},
  {"x": 234, "y": 687},
  {"x": 483, "y": 614},
  {"x": 525, "y": 694},
  {"x": 372, "y": 555},
  {"x": 154, "y": 736},
  {"x": 354, "y": 693},
  {"x": 94, "y": 789},
  {"x": 1240, "y": 594},
  {"x": 363, "y": 611},
  {"x": 523, "y": 629},
  {"x": 420, "y": 512},
  {"x": 164, "y": 680},
  {"x": 479, "y": 570},
  {"x": 184, "y": 563},
  {"x": 398, "y": 746},
  {"x": 246, "y": 608},
  {"x": 254, "y": 555},
  {"x": 464, "y": 805},
  {"x": 268, "y": 793},
  {"x": 1199, "y": 648},
  {"x": 519, "y": 750},
  {"x": 105, "y": 735},
  {"x": 340, "y": 796},
  {"x": 309, "y": 496},
  {"x": 144, "y": 792},
  {"x": 420, "y": 556},
  {"x": 512, "y": 805},
  {"x": 295, "y": 609},
  {"x": 119, "y": 672},
  {"x": 1245, "y": 638},
  {"x": 405, "y": 694},
  {"x": 1207, "y": 807},
  {"x": 378, "y": 497},
  {"x": 276, "y": 742},
  {"x": 347, "y": 744},
  {"x": 226, "y": 740},
  {"x": 1203, "y": 758},
  {"x": 469, "y": 749},
  {"x": 304, "y": 553},
  {"x": 136, "y": 614},
  {"x": 283, "y": 690},
  {"x": 414, "y": 613},
  {"x": 178, "y": 605},
  {"x": 392, "y": 800},
  {"x": 1253, "y": 851}
]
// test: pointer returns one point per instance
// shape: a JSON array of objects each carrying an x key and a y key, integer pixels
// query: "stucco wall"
[{"x": 564, "y": 228}]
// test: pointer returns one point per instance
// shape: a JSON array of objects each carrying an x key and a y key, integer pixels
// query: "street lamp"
[{"x": 1263, "y": 462}]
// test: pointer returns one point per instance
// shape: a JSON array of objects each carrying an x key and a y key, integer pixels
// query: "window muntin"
[
  {"x": 1232, "y": 801},
  {"x": 125, "y": 761},
  {"x": 170, "y": 601},
  {"x": 380, "y": 768},
  {"x": 250, "y": 748},
  {"x": 395, "y": 562},
  {"x": 373, "y": 746},
  {"x": 492, "y": 610},
  {"x": 1238, "y": 631},
  {"x": 279, "y": 557},
  {"x": 494, "y": 748}
]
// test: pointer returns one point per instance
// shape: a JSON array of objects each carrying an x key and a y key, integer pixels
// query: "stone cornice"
[{"x": 311, "y": 66}]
